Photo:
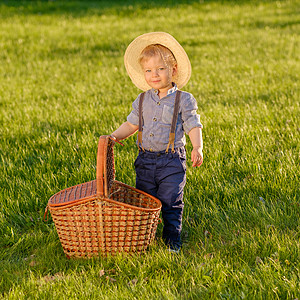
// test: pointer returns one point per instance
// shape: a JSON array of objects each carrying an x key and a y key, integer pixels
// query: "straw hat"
[{"x": 135, "y": 48}]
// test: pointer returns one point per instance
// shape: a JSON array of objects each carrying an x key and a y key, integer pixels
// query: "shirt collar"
[{"x": 170, "y": 91}]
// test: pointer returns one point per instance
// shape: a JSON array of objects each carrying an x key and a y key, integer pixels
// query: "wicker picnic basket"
[{"x": 104, "y": 216}]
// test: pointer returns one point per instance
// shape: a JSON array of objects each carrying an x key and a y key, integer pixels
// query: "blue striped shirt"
[{"x": 157, "y": 118}]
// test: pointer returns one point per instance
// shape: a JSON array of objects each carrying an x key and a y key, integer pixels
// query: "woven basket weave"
[{"x": 104, "y": 216}]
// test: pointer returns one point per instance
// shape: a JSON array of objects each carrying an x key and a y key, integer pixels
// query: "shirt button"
[
  {"x": 158, "y": 103},
  {"x": 151, "y": 134},
  {"x": 150, "y": 149},
  {"x": 154, "y": 119}
]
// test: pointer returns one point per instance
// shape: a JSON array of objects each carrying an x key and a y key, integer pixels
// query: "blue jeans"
[{"x": 163, "y": 175}]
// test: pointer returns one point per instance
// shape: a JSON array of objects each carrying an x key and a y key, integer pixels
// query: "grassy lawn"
[{"x": 63, "y": 84}]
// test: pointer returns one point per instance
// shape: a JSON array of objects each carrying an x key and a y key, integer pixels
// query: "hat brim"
[{"x": 135, "y": 48}]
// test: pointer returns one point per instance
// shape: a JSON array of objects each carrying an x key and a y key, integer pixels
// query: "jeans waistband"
[{"x": 154, "y": 154}]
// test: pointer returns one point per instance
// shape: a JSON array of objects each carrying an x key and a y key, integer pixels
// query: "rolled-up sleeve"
[
  {"x": 133, "y": 117},
  {"x": 189, "y": 113}
]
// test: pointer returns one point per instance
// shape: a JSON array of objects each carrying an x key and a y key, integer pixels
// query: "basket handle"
[
  {"x": 101, "y": 174},
  {"x": 100, "y": 165}
]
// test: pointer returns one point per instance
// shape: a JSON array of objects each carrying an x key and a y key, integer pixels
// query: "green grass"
[{"x": 63, "y": 84}]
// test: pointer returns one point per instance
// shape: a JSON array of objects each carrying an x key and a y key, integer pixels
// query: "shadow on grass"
[
  {"x": 118, "y": 7},
  {"x": 133, "y": 9}
]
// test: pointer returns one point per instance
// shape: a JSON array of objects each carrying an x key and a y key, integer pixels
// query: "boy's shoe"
[{"x": 174, "y": 248}]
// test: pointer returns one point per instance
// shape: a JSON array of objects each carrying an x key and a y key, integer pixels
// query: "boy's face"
[{"x": 158, "y": 74}]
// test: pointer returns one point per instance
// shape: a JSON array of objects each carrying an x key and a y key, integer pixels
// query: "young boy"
[{"x": 157, "y": 64}]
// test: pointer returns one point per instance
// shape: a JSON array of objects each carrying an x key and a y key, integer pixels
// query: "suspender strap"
[
  {"x": 140, "y": 133},
  {"x": 174, "y": 122}
]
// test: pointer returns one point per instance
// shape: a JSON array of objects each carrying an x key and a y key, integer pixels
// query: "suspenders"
[
  {"x": 140, "y": 133},
  {"x": 173, "y": 124}
]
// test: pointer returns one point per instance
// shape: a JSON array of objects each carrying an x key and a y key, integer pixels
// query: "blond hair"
[{"x": 156, "y": 49}]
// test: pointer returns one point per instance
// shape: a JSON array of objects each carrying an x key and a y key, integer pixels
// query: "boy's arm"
[
  {"x": 195, "y": 135},
  {"x": 124, "y": 131}
]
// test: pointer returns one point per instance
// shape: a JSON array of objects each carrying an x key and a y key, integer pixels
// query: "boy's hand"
[
  {"x": 195, "y": 135},
  {"x": 197, "y": 156}
]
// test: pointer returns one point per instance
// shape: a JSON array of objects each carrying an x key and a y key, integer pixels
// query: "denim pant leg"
[
  {"x": 172, "y": 178},
  {"x": 145, "y": 167},
  {"x": 163, "y": 176}
]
